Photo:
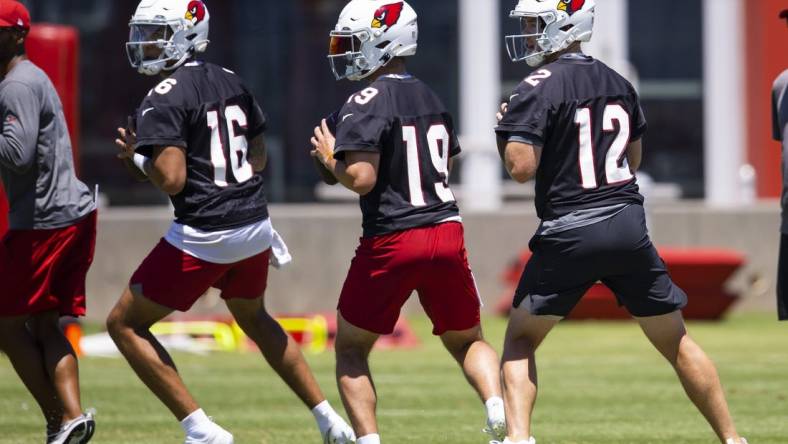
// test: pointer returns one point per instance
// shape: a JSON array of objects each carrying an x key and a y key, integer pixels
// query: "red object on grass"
[{"x": 700, "y": 272}]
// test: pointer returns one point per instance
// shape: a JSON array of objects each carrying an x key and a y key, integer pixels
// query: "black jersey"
[
  {"x": 207, "y": 110},
  {"x": 401, "y": 118},
  {"x": 583, "y": 115}
]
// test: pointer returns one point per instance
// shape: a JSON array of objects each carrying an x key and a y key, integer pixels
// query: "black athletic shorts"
[
  {"x": 616, "y": 251},
  {"x": 782, "y": 280}
]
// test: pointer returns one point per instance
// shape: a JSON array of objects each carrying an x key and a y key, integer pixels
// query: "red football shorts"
[
  {"x": 175, "y": 279},
  {"x": 387, "y": 269},
  {"x": 44, "y": 270}
]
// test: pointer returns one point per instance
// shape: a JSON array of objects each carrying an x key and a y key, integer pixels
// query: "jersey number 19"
[{"x": 437, "y": 138}]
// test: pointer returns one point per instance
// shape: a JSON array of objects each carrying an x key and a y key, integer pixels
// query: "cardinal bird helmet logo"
[
  {"x": 195, "y": 13},
  {"x": 388, "y": 15},
  {"x": 571, "y": 6}
]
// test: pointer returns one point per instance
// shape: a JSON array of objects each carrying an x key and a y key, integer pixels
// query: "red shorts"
[
  {"x": 43, "y": 270},
  {"x": 387, "y": 269},
  {"x": 175, "y": 279}
]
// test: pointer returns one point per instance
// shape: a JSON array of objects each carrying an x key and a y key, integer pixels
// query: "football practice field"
[{"x": 599, "y": 383}]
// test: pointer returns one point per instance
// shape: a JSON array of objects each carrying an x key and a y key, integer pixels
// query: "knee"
[
  {"x": 351, "y": 352},
  {"x": 116, "y": 325}
]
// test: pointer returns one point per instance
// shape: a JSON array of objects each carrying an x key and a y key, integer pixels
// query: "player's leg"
[
  {"x": 60, "y": 361},
  {"x": 242, "y": 288},
  {"x": 558, "y": 274},
  {"x": 356, "y": 387},
  {"x": 782, "y": 279},
  {"x": 478, "y": 360},
  {"x": 643, "y": 285},
  {"x": 448, "y": 293},
  {"x": 518, "y": 364},
  {"x": 696, "y": 371},
  {"x": 128, "y": 324},
  {"x": 71, "y": 262},
  {"x": 27, "y": 358},
  {"x": 280, "y": 350},
  {"x": 481, "y": 367}
]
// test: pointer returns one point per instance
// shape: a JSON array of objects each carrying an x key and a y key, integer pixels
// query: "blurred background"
[
  {"x": 279, "y": 48},
  {"x": 703, "y": 69}
]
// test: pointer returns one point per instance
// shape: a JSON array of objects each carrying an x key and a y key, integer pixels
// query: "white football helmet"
[
  {"x": 549, "y": 26},
  {"x": 369, "y": 34},
  {"x": 166, "y": 33}
]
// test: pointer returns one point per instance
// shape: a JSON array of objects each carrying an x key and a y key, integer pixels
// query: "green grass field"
[{"x": 599, "y": 382}]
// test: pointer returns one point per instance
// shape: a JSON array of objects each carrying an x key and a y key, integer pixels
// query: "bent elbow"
[
  {"x": 173, "y": 187},
  {"x": 363, "y": 190},
  {"x": 521, "y": 175},
  {"x": 363, "y": 186}
]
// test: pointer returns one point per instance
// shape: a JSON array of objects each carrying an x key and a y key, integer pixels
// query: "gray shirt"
[
  {"x": 36, "y": 163},
  {"x": 780, "y": 133}
]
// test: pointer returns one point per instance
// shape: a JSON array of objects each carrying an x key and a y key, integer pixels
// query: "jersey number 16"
[{"x": 239, "y": 146}]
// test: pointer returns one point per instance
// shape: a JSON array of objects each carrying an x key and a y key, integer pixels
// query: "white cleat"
[
  {"x": 217, "y": 436},
  {"x": 496, "y": 428},
  {"x": 733, "y": 441},
  {"x": 77, "y": 431},
  {"x": 339, "y": 432},
  {"x": 496, "y": 419},
  {"x": 531, "y": 440}
]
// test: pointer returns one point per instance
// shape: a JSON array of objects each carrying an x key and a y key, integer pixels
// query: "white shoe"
[
  {"x": 496, "y": 428},
  {"x": 77, "y": 431},
  {"x": 733, "y": 441},
  {"x": 339, "y": 432},
  {"x": 217, "y": 436},
  {"x": 531, "y": 440}
]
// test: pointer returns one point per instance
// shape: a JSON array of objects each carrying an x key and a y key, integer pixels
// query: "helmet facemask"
[
  {"x": 152, "y": 48},
  {"x": 532, "y": 44},
  {"x": 347, "y": 57}
]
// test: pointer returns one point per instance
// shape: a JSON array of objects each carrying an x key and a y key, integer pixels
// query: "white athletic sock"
[
  {"x": 197, "y": 424},
  {"x": 495, "y": 410},
  {"x": 372, "y": 438},
  {"x": 324, "y": 415}
]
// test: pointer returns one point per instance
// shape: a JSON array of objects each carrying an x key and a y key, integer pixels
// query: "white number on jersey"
[
  {"x": 536, "y": 78},
  {"x": 365, "y": 96},
  {"x": 165, "y": 86},
  {"x": 437, "y": 138},
  {"x": 239, "y": 146},
  {"x": 616, "y": 166}
]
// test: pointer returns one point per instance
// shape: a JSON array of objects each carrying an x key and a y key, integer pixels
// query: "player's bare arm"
[
  {"x": 258, "y": 154},
  {"x": 168, "y": 169},
  {"x": 359, "y": 171},
  {"x": 522, "y": 160},
  {"x": 635, "y": 154}
]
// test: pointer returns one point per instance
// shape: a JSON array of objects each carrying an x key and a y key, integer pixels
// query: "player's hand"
[
  {"x": 125, "y": 142},
  {"x": 502, "y": 111},
  {"x": 323, "y": 144}
]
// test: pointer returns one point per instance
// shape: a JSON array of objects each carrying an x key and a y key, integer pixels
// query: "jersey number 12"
[{"x": 616, "y": 165}]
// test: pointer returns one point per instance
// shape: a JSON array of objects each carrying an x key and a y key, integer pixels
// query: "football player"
[
  {"x": 780, "y": 134},
  {"x": 46, "y": 254},
  {"x": 198, "y": 136},
  {"x": 392, "y": 143},
  {"x": 576, "y": 126}
]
